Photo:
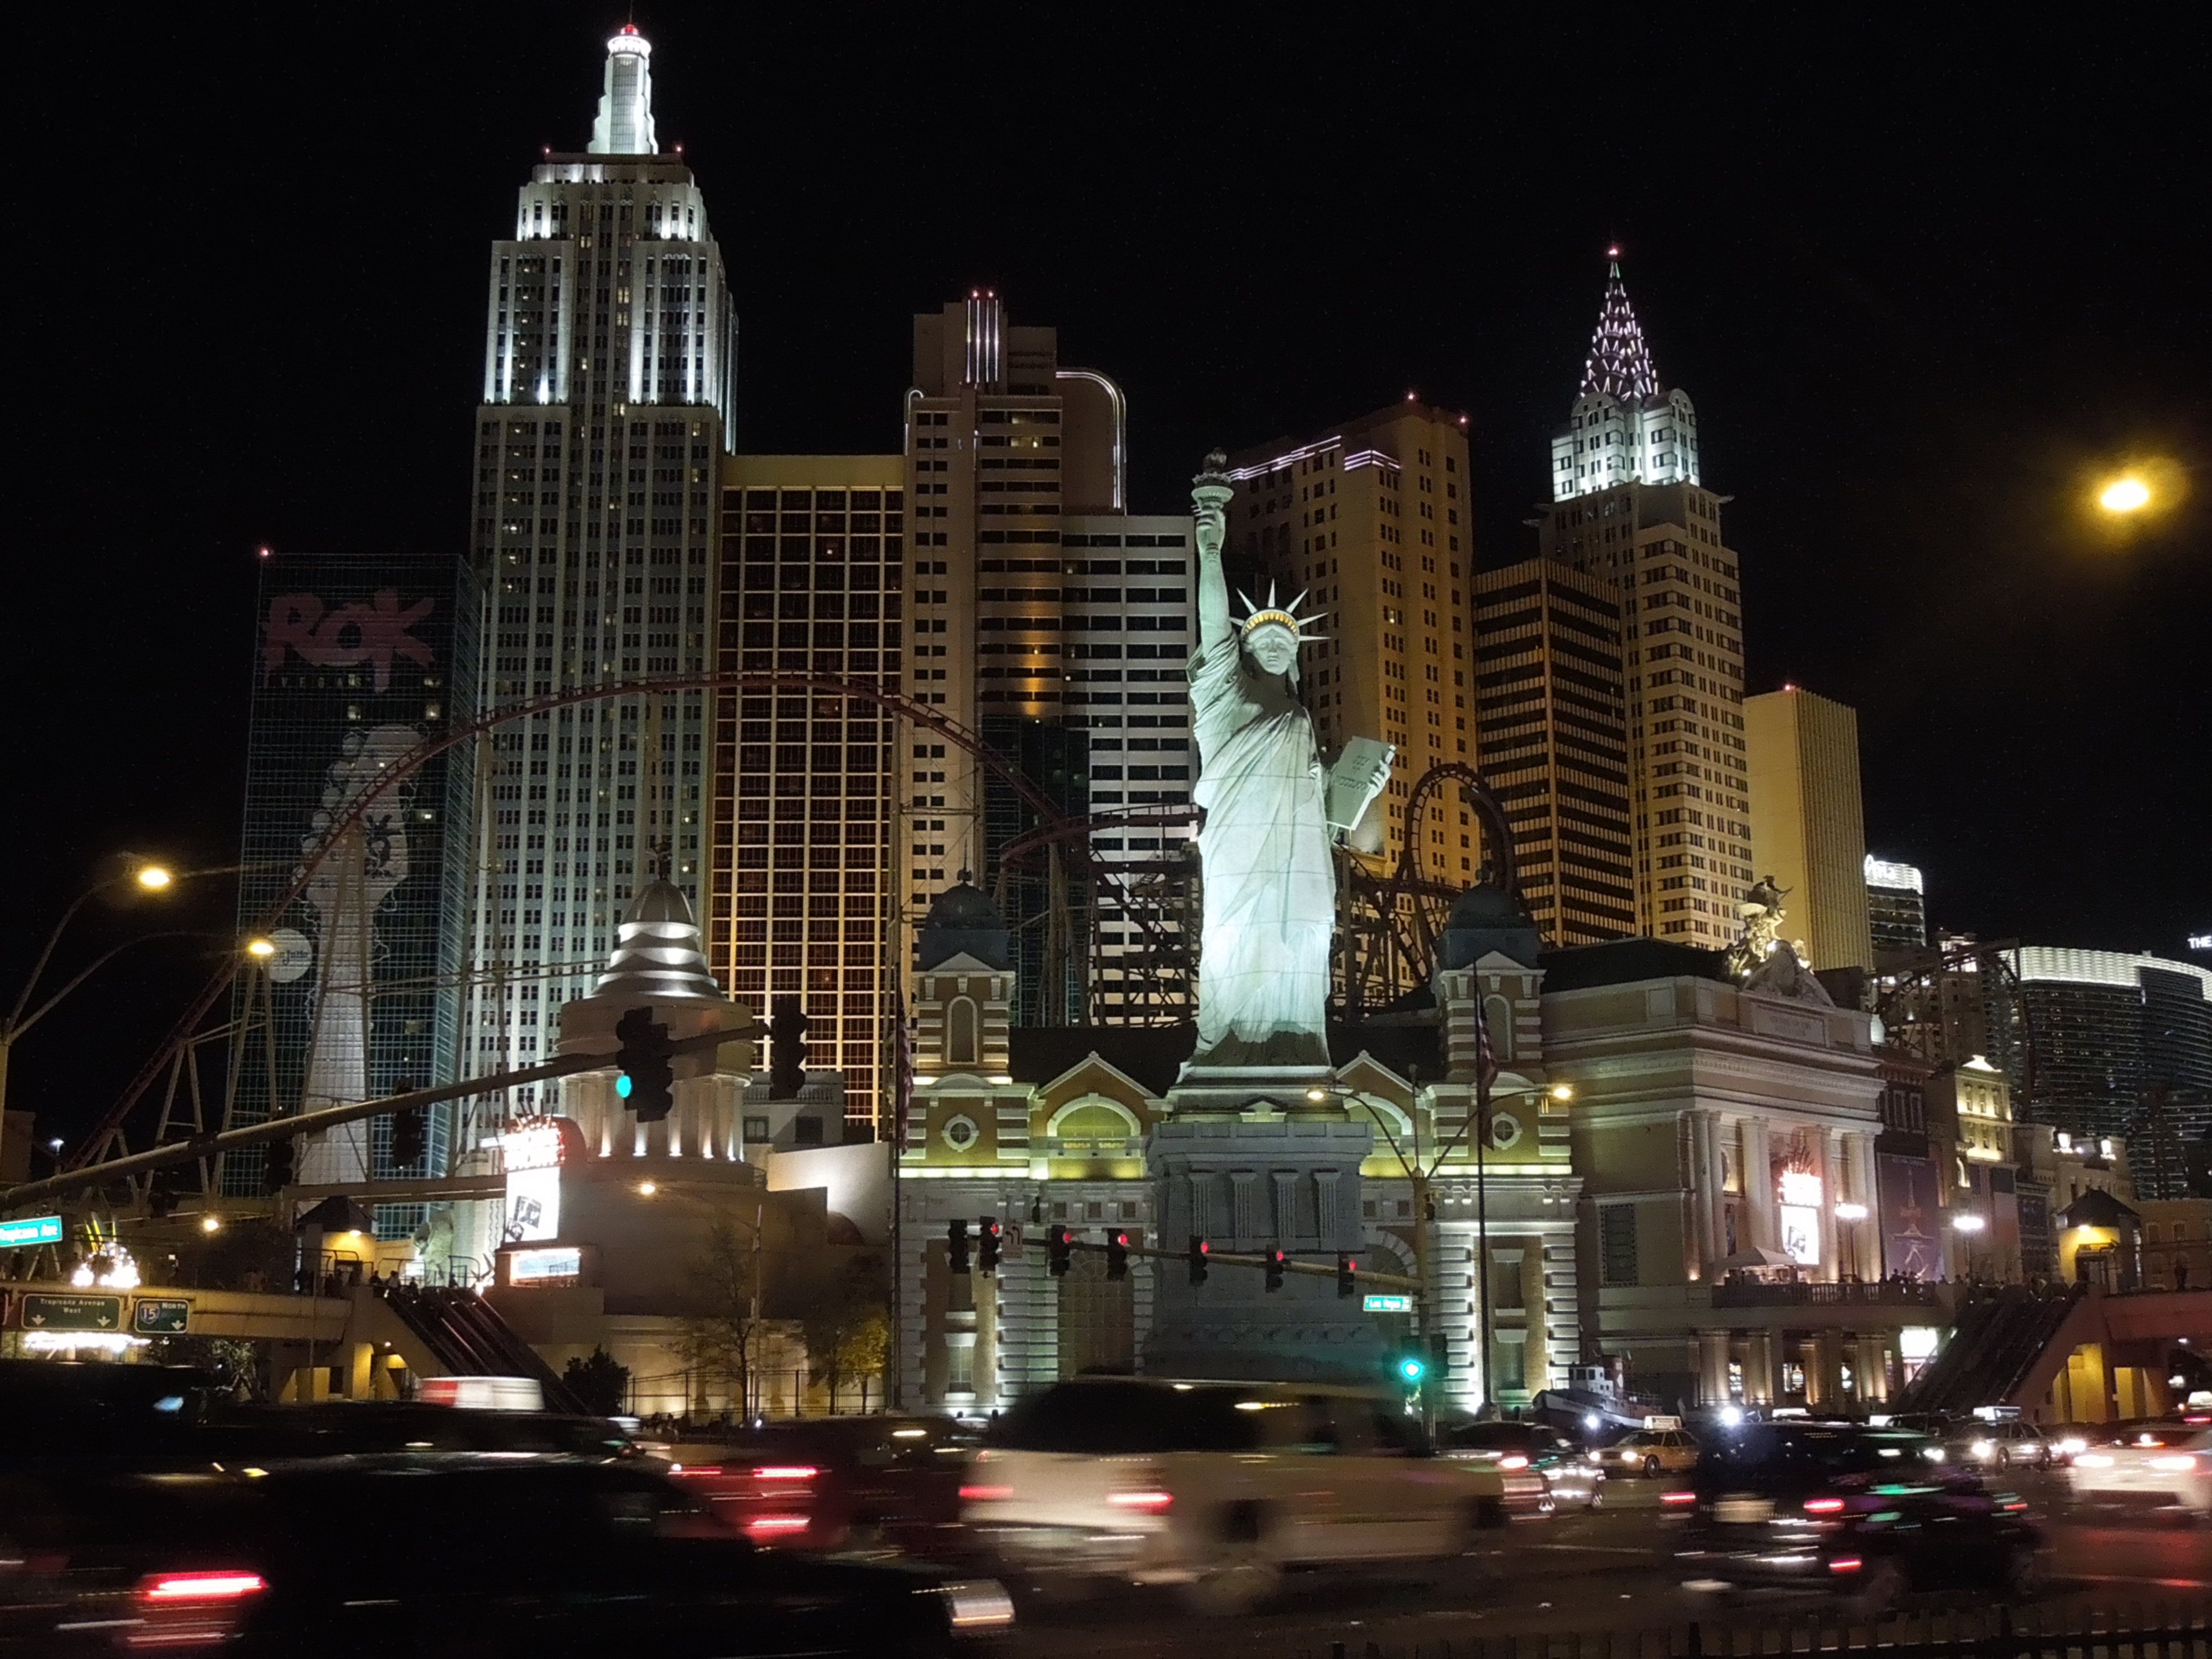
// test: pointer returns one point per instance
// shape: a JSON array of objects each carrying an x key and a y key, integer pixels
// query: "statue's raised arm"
[{"x": 1210, "y": 492}]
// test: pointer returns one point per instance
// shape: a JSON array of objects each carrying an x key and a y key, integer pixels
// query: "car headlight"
[
  {"x": 2072, "y": 1446},
  {"x": 1984, "y": 1449},
  {"x": 977, "y": 1604}
]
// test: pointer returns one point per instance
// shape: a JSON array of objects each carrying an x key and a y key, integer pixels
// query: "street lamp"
[
  {"x": 154, "y": 876},
  {"x": 2124, "y": 495},
  {"x": 260, "y": 949}
]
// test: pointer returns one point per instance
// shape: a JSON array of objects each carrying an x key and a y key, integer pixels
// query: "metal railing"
[
  {"x": 1825, "y": 1293},
  {"x": 2175, "y": 1631}
]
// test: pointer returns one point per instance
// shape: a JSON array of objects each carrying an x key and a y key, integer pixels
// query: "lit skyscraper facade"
[
  {"x": 608, "y": 361},
  {"x": 357, "y": 661},
  {"x": 1366, "y": 519},
  {"x": 1628, "y": 503},
  {"x": 1048, "y": 620},
  {"x": 1551, "y": 741},
  {"x": 800, "y": 866},
  {"x": 1897, "y": 906},
  {"x": 1808, "y": 827}
]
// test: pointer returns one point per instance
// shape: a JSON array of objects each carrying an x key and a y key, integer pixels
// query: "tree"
[
  {"x": 599, "y": 1383},
  {"x": 726, "y": 1279},
  {"x": 848, "y": 1321}
]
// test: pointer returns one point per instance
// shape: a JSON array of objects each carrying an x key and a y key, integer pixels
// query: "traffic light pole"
[{"x": 307, "y": 1123}]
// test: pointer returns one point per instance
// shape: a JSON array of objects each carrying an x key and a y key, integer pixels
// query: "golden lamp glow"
[
  {"x": 210, "y": 1224},
  {"x": 2124, "y": 495},
  {"x": 1563, "y": 1091},
  {"x": 647, "y": 1188},
  {"x": 154, "y": 876},
  {"x": 260, "y": 949}
]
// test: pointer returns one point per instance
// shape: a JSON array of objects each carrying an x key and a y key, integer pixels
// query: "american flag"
[
  {"x": 1485, "y": 1058},
  {"x": 903, "y": 1073}
]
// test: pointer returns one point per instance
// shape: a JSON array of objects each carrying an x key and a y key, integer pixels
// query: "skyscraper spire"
[
  {"x": 1620, "y": 363},
  {"x": 623, "y": 125}
]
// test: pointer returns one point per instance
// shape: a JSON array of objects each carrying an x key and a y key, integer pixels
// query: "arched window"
[{"x": 960, "y": 1032}]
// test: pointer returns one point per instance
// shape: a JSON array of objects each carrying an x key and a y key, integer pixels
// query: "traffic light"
[
  {"x": 1439, "y": 1355},
  {"x": 1275, "y": 1260},
  {"x": 1412, "y": 1368},
  {"x": 1197, "y": 1260},
  {"x": 409, "y": 1140},
  {"x": 277, "y": 1169},
  {"x": 787, "y": 1049},
  {"x": 1058, "y": 1251},
  {"x": 647, "y": 1082},
  {"x": 987, "y": 1244},
  {"x": 1347, "y": 1274},
  {"x": 956, "y": 1245},
  {"x": 1117, "y": 1256}
]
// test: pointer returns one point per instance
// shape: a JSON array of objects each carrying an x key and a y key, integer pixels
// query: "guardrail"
[
  {"x": 1825, "y": 1293},
  {"x": 2174, "y": 1632}
]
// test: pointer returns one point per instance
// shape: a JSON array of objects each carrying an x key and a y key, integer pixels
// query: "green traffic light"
[
  {"x": 623, "y": 1085},
  {"x": 1411, "y": 1369}
]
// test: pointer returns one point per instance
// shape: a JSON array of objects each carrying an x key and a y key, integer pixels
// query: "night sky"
[{"x": 1923, "y": 288}]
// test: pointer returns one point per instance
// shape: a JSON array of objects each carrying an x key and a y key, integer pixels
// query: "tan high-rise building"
[
  {"x": 799, "y": 897},
  {"x": 1628, "y": 505},
  {"x": 1053, "y": 624},
  {"x": 1807, "y": 829},
  {"x": 1369, "y": 519},
  {"x": 1551, "y": 742}
]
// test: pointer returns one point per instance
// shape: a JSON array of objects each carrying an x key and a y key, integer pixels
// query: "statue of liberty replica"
[
  {"x": 1272, "y": 815},
  {"x": 1258, "y": 1152}
]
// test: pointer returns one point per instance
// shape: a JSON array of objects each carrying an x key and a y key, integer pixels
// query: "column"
[
  {"x": 1871, "y": 1365},
  {"x": 1832, "y": 1167},
  {"x": 1758, "y": 1378},
  {"x": 1705, "y": 1179},
  {"x": 1712, "y": 1367},
  {"x": 1823, "y": 1371},
  {"x": 1758, "y": 1184}
]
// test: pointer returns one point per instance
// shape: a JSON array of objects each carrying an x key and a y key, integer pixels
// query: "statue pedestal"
[{"x": 1249, "y": 1164}]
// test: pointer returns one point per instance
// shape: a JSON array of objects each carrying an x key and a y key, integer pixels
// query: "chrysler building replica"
[
  {"x": 1629, "y": 504},
  {"x": 608, "y": 387}
]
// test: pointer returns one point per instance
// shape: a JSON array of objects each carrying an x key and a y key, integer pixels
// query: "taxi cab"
[{"x": 1661, "y": 1448}]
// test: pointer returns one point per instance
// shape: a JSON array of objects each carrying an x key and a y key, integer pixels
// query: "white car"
[
  {"x": 2149, "y": 1466},
  {"x": 1221, "y": 1487}
]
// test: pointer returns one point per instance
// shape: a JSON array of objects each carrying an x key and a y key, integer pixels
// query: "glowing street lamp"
[
  {"x": 260, "y": 949},
  {"x": 155, "y": 877},
  {"x": 2124, "y": 495}
]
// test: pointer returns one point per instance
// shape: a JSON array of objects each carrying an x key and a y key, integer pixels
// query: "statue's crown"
[{"x": 1285, "y": 616}]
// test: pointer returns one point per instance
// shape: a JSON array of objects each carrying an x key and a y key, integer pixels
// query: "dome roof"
[
  {"x": 963, "y": 922},
  {"x": 1488, "y": 918},
  {"x": 964, "y": 904},
  {"x": 656, "y": 954}
]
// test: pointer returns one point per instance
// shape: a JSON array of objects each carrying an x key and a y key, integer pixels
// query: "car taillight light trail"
[
  {"x": 201, "y": 1586},
  {"x": 1150, "y": 1503},
  {"x": 1824, "y": 1506},
  {"x": 986, "y": 1494},
  {"x": 1677, "y": 1499},
  {"x": 786, "y": 1473}
]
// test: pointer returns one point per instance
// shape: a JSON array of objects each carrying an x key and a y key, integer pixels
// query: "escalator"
[
  {"x": 469, "y": 1339},
  {"x": 1993, "y": 1349}
]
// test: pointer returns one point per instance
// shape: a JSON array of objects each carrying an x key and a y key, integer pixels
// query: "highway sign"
[
  {"x": 1388, "y": 1303},
  {"x": 163, "y": 1315},
  {"x": 45, "y": 1311},
  {"x": 30, "y": 1230}
]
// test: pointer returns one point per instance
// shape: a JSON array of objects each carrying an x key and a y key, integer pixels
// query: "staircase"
[
  {"x": 468, "y": 1339},
  {"x": 1993, "y": 1351}
]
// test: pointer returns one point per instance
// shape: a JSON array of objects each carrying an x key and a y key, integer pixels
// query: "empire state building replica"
[{"x": 610, "y": 351}]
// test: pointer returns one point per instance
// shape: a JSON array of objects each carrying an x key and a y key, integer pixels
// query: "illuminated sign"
[
  {"x": 160, "y": 1316},
  {"x": 43, "y": 1311},
  {"x": 349, "y": 635},
  {"x": 1898, "y": 878},
  {"x": 31, "y": 1229},
  {"x": 1800, "y": 1187},
  {"x": 1917, "y": 1342},
  {"x": 2200, "y": 941},
  {"x": 532, "y": 1153},
  {"x": 1388, "y": 1303},
  {"x": 544, "y": 1267}
]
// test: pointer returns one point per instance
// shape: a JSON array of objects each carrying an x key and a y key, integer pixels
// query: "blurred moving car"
[
  {"x": 1570, "y": 1474},
  {"x": 2001, "y": 1443},
  {"x": 365, "y": 1556},
  {"x": 1653, "y": 1452},
  {"x": 837, "y": 1483},
  {"x": 2149, "y": 1466},
  {"x": 1866, "y": 1513},
  {"x": 1222, "y": 1487}
]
